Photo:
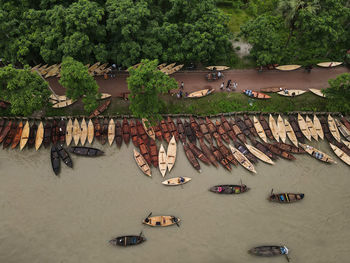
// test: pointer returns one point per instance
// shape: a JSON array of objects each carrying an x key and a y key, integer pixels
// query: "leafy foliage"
[
  {"x": 26, "y": 91},
  {"x": 338, "y": 93}
]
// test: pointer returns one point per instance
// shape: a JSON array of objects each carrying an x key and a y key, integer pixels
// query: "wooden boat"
[
  {"x": 158, "y": 132},
  {"x": 181, "y": 130},
  {"x": 291, "y": 92},
  {"x": 93, "y": 67},
  {"x": 228, "y": 128},
  {"x": 84, "y": 131},
  {"x": 62, "y": 131},
  {"x": 251, "y": 157},
  {"x": 229, "y": 189},
  {"x": 24, "y": 136},
  {"x": 54, "y": 71},
  {"x": 226, "y": 152},
  {"x": 195, "y": 128},
  {"x": 221, "y": 131},
  {"x": 125, "y": 241},
  {"x": 63, "y": 103},
  {"x": 273, "y": 128},
  {"x": 220, "y": 158},
  {"x": 248, "y": 122},
  {"x": 69, "y": 130},
  {"x": 289, "y": 148},
  {"x": 100, "y": 109},
  {"x": 47, "y": 134},
  {"x": 218, "y": 68},
  {"x": 104, "y": 131},
  {"x": 168, "y": 67},
  {"x": 333, "y": 128},
  {"x": 153, "y": 152},
  {"x": 295, "y": 126},
  {"x": 266, "y": 127},
  {"x": 161, "y": 220},
  {"x": 347, "y": 144},
  {"x": 281, "y": 128},
  {"x": 172, "y": 129},
  {"x": 126, "y": 131},
  {"x": 238, "y": 132},
  {"x": 341, "y": 154},
  {"x": 118, "y": 133},
  {"x": 11, "y": 134},
  {"x": 269, "y": 251},
  {"x": 259, "y": 154},
  {"x": 133, "y": 134},
  {"x": 85, "y": 151},
  {"x": 317, "y": 153},
  {"x": 171, "y": 154},
  {"x": 39, "y": 136},
  {"x": 55, "y": 160},
  {"x": 343, "y": 130},
  {"x": 259, "y": 129},
  {"x": 240, "y": 157},
  {"x": 191, "y": 158},
  {"x": 303, "y": 127},
  {"x": 243, "y": 127},
  {"x": 189, "y": 133},
  {"x": 326, "y": 131},
  {"x": 32, "y": 135},
  {"x": 345, "y": 122},
  {"x": 76, "y": 131},
  {"x": 17, "y": 136},
  {"x": 271, "y": 89},
  {"x": 263, "y": 148},
  {"x": 200, "y": 93},
  {"x": 285, "y": 197},
  {"x": 208, "y": 153},
  {"x": 176, "y": 181},
  {"x": 311, "y": 128},
  {"x": 105, "y": 96},
  {"x": 148, "y": 128},
  {"x": 174, "y": 69},
  {"x": 204, "y": 129},
  {"x": 290, "y": 133},
  {"x": 256, "y": 94},
  {"x": 329, "y": 64},
  {"x": 144, "y": 151},
  {"x": 5, "y": 131},
  {"x": 162, "y": 160},
  {"x": 276, "y": 150},
  {"x": 288, "y": 67},
  {"x": 64, "y": 156},
  {"x": 165, "y": 130},
  {"x": 90, "y": 131},
  {"x": 198, "y": 153},
  {"x": 141, "y": 131},
  {"x": 141, "y": 162},
  {"x": 160, "y": 66},
  {"x": 2, "y": 123},
  {"x": 317, "y": 92},
  {"x": 318, "y": 127},
  {"x": 54, "y": 132},
  {"x": 111, "y": 131}
]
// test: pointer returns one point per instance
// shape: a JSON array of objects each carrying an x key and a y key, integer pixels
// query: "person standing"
[
  {"x": 222, "y": 86},
  {"x": 182, "y": 85},
  {"x": 235, "y": 85},
  {"x": 228, "y": 84}
]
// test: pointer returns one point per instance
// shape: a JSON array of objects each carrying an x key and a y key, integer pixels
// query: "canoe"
[
  {"x": 47, "y": 134},
  {"x": 218, "y": 68},
  {"x": 286, "y": 197},
  {"x": 171, "y": 154},
  {"x": 259, "y": 154},
  {"x": 269, "y": 251},
  {"x": 85, "y": 151},
  {"x": 133, "y": 134},
  {"x": 180, "y": 130},
  {"x": 266, "y": 127},
  {"x": 317, "y": 153},
  {"x": 205, "y": 131},
  {"x": 105, "y": 96},
  {"x": 200, "y": 93},
  {"x": 54, "y": 132},
  {"x": 172, "y": 128},
  {"x": 142, "y": 164},
  {"x": 226, "y": 152},
  {"x": 148, "y": 128},
  {"x": 240, "y": 157},
  {"x": 69, "y": 130},
  {"x": 104, "y": 131},
  {"x": 24, "y": 136},
  {"x": 318, "y": 127},
  {"x": 93, "y": 67},
  {"x": 271, "y": 89},
  {"x": 160, "y": 66},
  {"x": 158, "y": 132},
  {"x": 76, "y": 131},
  {"x": 326, "y": 131},
  {"x": 291, "y": 92},
  {"x": 111, "y": 131},
  {"x": 118, "y": 133},
  {"x": 62, "y": 131},
  {"x": 229, "y": 189},
  {"x": 126, "y": 131},
  {"x": 90, "y": 131},
  {"x": 55, "y": 160},
  {"x": 243, "y": 127},
  {"x": 288, "y": 67},
  {"x": 142, "y": 132},
  {"x": 345, "y": 122},
  {"x": 2, "y": 123},
  {"x": 11, "y": 134},
  {"x": 342, "y": 155},
  {"x": 195, "y": 128},
  {"x": 198, "y": 153},
  {"x": 17, "y": 136},
  {"x": 174, "y": 69},
  {"x": 63, "y": 104},
  {"x": 189, "y": 132},
  {"x": 100, "y": 109},
  {"x": 165, "y": 131},
  {"x": 228, "y": 128},
  {"x": 256, "y": 94},
  {"x": 144, "y": 150},
  {"x": 317, "y": 92},
  {"x": 290, "y": 133},
  {"x": 191, "y": 158},
  {"x": 289, "y": 148},
  {"x": 32, "y": 135},
  {"x": 251, "y": 157},
  {"x": 276, "y": 150},
  {"x": 259, "y": 129},
  {"x": 162, "y": 160},
  {"x": 310, "y": 126},
  {"x": 57, "y": 98},
  {"x": 208, "y": 153},
  {"x": 153, "y": 152},
  {"x": 329, "y": 64},
  {"x": 5, "y": 131},
  {"x": 220, "y": 157},
  {"x": 84, "y": 132},
  {"x": 64, "y": 156},
  {"x": 39, "y": 136},
  {"x": 168, "y": 67},
  {"x": 281, "y": 128},
  {"x": 220, "y": 129},
  {"x": 295, "y": 127},
  {"x": 273, "y": 128},
  {"x": 161, "y": 220},
  {"x": 347, "y": 144},
  {"x": 263, "y": 148},
  {"x": 125, "y": 241},
  {"x": 343, "y": 130},
  {"x": 239, "y": 134},
  {"x": 333, "y": 128},
  {"x": 176, "y": 181},
  {"x": 248, "y": 122},
  {"x": 303, "y": 127}
]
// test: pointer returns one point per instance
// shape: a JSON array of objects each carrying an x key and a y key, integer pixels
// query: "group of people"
[
  {"x": 229, "y": 86},
  {"x": 181, "y": 92}
]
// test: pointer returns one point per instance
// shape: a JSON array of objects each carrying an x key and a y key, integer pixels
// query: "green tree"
[
  {"x": 78, "y": 82},
  {"x": 146, "y": 83},
  {"x": 338, "y": 93},
  {"x": 26, "y": 91}
]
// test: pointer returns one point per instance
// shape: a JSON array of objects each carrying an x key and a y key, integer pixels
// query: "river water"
[{"x": 69, "y": 219}]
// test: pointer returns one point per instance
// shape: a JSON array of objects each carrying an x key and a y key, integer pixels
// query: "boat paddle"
[
  {"x": 174, "y": 219},
  {"x": 271, "y": 191},
  {"x": 148, "y": 217},
  {"x": 288, "y": 259}
]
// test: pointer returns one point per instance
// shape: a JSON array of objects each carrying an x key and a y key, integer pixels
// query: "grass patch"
[{"x": 237, "y": 18}]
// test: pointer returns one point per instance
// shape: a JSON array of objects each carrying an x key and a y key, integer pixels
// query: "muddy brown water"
[{"x": 44, "y": 218}]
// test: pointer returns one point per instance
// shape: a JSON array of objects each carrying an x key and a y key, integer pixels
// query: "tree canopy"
[
  {"x": 26, "y": 91},
  {"x": 338, "y": 93},
  {"x": 146, "y": 83}
]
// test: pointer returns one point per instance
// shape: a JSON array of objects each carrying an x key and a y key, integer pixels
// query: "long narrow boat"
[
  {"x": 345, "y": 122},
  {"x": 329, "y": 64},
  {"x": 144, "y": 151},
  {"x": 318, "y": 127},
  {"x": 133, "y": 134},
  {"x": 281, "y": 129},
  {"x": 165, "y": 131},
  {"x": 303, "y": 127},
  {"x": 2, "y": 123},
  {"x": 168, "y": 67},
  {"x": 176, "y": 181},
  {"x": 238, "y": 132},
  {"x": 69, "y": 130},
  {"x": 200, "y": 93},
  {"x": 273, "y": 128},
  {"x": 291, "y": 92},
  {"x": 142, "y": 164},
  {"x": 285, "y": 197},
  {"x": 219, "y": 68},
  {"x": 90, "y": 131},
  {"x": 17, "y": 136},
  {"x": 191, "y": 158},
  {"x": 84, "y": 132},
  {"x": 172, "y": 129},
  {"x": 208, "y": 153},
  {"x": 54, "y": 132},
  {"x": 24, "y": 136},
  {"x": 204, "y": 129},
  {"x": 55, "y": 160},
  {"x": 171, "y": 153},
  {"x": 76, "y": 131},
  {"x": 242, "y": 159},
  {"x": 181, "y": 130},
  {"x": 85, "y": 151},
  {"x": 243, "y": 127},
  {"x": 161, "y": 220},
  {"x": 148, "y": 128},
  {"x": 317, "y": 153},
  {"x": 220, "y": 157},
  {"x": 311, "y": 128},
  {"x": 198, "y": 153},
  {"x": 290, "y": 133},
  {"x": 100, "y": 109},
  {"x": 326, "y": 131},
  {"x": 222, "y": 133},
  {"x": 62, "y": 131},
  {"x": 226, "y": 152},
  {"x": 342, "y": 155},
  {"x": 295, "y": 126},
  {"x": 347, "y": 144},
  {"x": 317, "y": 92},
  {"x": 259, "y": 154},
  {"x": 229, "y": 189},
  {"x": 126, "y": 131},
  {"x": 125, "y": 241},
  {"x": 269, "y": 251},
  {"x": 255, "y": 94},
  {"x": 11, "y": 134},
  {"x": 248, "y": 122},
  {"x": 333, "y": 128},
  {"x": 195, "y": 128},
  {"x": 251, "y": 157},
  {"x": 271, "y": 89},
  {"x": 284, "y": 154},
  {"x": 174, "y": 69},
  {"x": 118, "y": 133},
  {"x": 32, "y": 135},
  {"x": 5, "y": 131},
  {"x": 162, "y": 160},
  {"x": 227, "y": 127},
  {"x": 289, "y": 148},
  {"x": 47, "y": 134},
  {"x": 263, "y": 148},
  {"x": 158, "y": 132},
  {"x": 111, "y": 131},
  {"x": 288, "y": 67},
  {"x": 259, "y": 129},
  {"x": 343, "y": 130},
  {"x": 104, "y": 131},
  {"x": 189, "y": 132},
  {"x": 64, "y": 155},
  {"x": 39, "y": 136},
  {"x": 63, "y": 103}
]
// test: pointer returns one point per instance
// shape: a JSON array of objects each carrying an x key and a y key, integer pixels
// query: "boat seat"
[{"x": 158, "y": 223}]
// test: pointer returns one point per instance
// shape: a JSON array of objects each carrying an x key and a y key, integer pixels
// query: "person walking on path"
[
  {"x": 228, "y": 84},
  {"x": 182, "y": 85},
  {"x": 235, "y": 85},
  {"x": 222, "y": 86}
]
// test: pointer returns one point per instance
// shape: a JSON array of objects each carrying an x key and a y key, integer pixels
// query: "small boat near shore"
[
  {"x": 220, "y": 158},
  {"x": 200, "y": 93},
  {"x": 333, "y": 128},
  {"x": 256, "y": 94},
  {"x": 55, "y": 160},
  {"x": 284, "y": 154},
  {"x": 291, "y": 92},
  {"x": 69, "y": 132},
  {"x": 273, "y": 128},
  {"x": 240, "y": 157},
  {"x": 176, "y": 181},
  {"x": 288, "y": 67},
  {"x": 329, "y": 64},
  {"x": 311, "y": 128},
  {"x": 162, "y": 160},
  {"x": 148, "y": 128},
  {"x": 100, "y": 109},
  {"x": 259, "y": 154},
  {"x": 218, "y": 68},
  {"x": 64, "y": 155},
  {"x": 229, "y": 189},
  {"x": 142, "y": 164},
  {"x": 171, "y": 154},
  {"x": 343, "y": 130},
  {"x": 289, "y": 148},
  {"x": 126, "y": 131},
  {"x": 341, "y": 154},
  {"x": 111, "y": 131},
  {"x": 318, "y": 127},
  {"x": 317, "y": 153},
  {"x": 290, "y": 133},
  {"x": 271, "y": 89},
  {"x": 281, "y": 128},
  {"x": 317, "y": 92},
  {"x": 303, "y": 127},
  {"x": 191, "y": 158},
  {"x": 259, "y": 129},
  {"x": 24, "y": 136},
  {"x": 86, "y": 151}
]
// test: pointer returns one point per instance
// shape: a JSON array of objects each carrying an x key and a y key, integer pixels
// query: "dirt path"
[{"x": 246, "y": 79}]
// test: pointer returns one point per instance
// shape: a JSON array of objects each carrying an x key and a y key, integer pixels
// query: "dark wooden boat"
[
  {"x": 2, "y": 123},
  {"x": 245, "y": 130},
  {"x": 62, "y": 131},
  {"x": 47, "y": 134},
  {"x": 64, "y": 155},
  {"x": 279, "y": 152},
  {"x": 198, "y": 153},
  {"x": 239, "y": 134},
  {"x": 118, "y": 133},
  {"x": 133, "y": 133},
  {"x": 228, "y": 128},
  {"x": 153, "y": 152},
  {"x": 100, "y": 109},
  {"x": 17, "y": 137},
  {"x": 229, "y": 189},
  {"x": 104, "y": 132},
  {"x": 266, "y": 127},
  {"x": 269, "y": 251},
  {"x": 5, "y": 131},
  {"x": 126, "y": 131},
  {"x": 285, "y": 197},
  {"x": 144, "y": 151},
  {"x": 172, "y": 129},
  {"x": 181, "y": 130},
  {"x": 262, "y": 147},
  {"x": 189, "y": 133},
  {"x": 221, "y": 131},
  {"x": 86, "y": 151},
  {"x": 220, "y": 157},
  {"x": 55, "y": 160},
  {"x": 217, "y": 137},
  {"x": 195, "y": 128},
  {"x": 326, "y": 131},
  {"x": 204, "y": 129},
  {"x": 191, "y": 158},
  {"x": 295, "y": 126},
  {"x": 54, "y": 132},
  {"x": 210, "y": 125},
  {"x": 97, "y": 129},
  {"x": 125, "y": 241},
  {"x": 32, "y": 135},
  {"x": 345, "y": 122},
  {"x": 289, "y": 147},
  {"x": 226, "y": 152},
  {"x": 165, "y": 131},
  {"x": 207, "y": 152},
  {"x": 342, "y": 147},
  {"x": 158, "y": 132},
  {"x": 11, "y": 134},
  {"x": 246, "y": 152},
  {"x": 248, "y": 122}
]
